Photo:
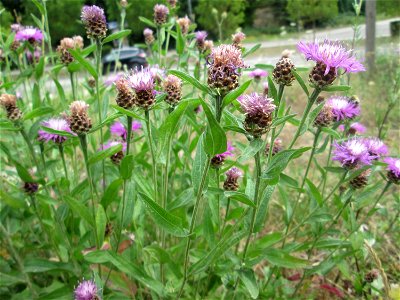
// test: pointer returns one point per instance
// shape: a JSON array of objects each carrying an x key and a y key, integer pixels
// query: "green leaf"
[
  {"x": 39, "y": 68},
  {"x": 117, "y": 35},
  {"x": 36, "y": 101},
  {"x": 199, "y": 164},
  {"x": 103, "y": 154},
  {"x": 215, "y": 139},
  {"x": 264, "y": 66},
  {"x": 89, "y": 49},
  {"x": 336, "y": 88},
  {"x": 106, "y": 121},
  {"x": 60, "y": 90},
  {"x": 38, "y": 112},
  {"x": 59, "y": 132},
  {"x": 263, "y": 207},
  {"x": 39, "y": 6},
  {"x": 252, "y": 50},
  {"x": 23, "y": 173},
  {"x": 180, "y": 42},
  {"x": 127, "y": 112},
  {"x": 7, "y": 280},
  {"x": 310, "y": 118},
  {"x": 250, "y": 282},
  {"x": 315, "y": 194},
  {"x": 126, "y": 167},
  {"x": 167, "y": 129},
  {"x": 239, "y": 196},
  {"x": 83, "y": 62},
  {"x": 281, "y": 259},
  {"x": 164, "y": 219},
  {"x": 331, "y": 132},
  {"x": 126, "y": 266},
  {"x": 272, "y": 92},
  {"x": 254, "y": 146},
  {"x": 301, "y": 82},
  {"x": 79, "y": 209},
  {"x": 36, "y": 265},
  {"x": 233, "y": 95},
  {"x": 111, "y": 192},
  {"x": 147, "y": 21},
  {"x": 101, "y": 221},
  {"x": 335, "y": 169},
  {"x": 7, "y": 125},
  {"x": 191, "y": 80}
]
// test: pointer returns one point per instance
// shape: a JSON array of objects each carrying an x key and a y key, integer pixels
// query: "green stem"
[
  {"x": 153, "y": 157},
  {"x": 193, "y": 223},
  {"x": 273, "y": 137},
  {"x": 122, "y": 25},
  {"x": 18, "y": 259},
  {"x": 228, "y": 204},
  {"x": 167, "y": 46},
  {"x": 98, "y": 70},
  {"x": 302, "y": 183},
  {"x": 218, "y": 108},
  {"x": 159, "y": 45},
  {"x": 61, "y": 149},
  {"x": 31, "y": 149},
  {"x": 46, "y": 19},
  {"x": 310, "y": 103},
  {"x": 71, "y": 78}
]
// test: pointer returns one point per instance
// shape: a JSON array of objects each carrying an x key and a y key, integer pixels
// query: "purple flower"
[
  {"x": 160, "y": 14},
  {"x": 332, "y": 54},
  {"x": 201, "y": 36},
  {"x": 343, "y": 108},
  {"x": 157, "y": 73},
  {"x": 258, "y": 74},
  {"x": 352, "y": 153},
  {"x": 233, "y": 173},
  {"x": 56, "y": 124},
  {"x": 114, "y": 143},
  {"x": 255, "y": 105},
  {"x": 118, "y": 129},
  {"x": 92, "y": 13},
  {"x": 86, "y": 290},
  {"x": 226, "y": 56},
  {"x": 141, "y": 80},
  {"x": 30, "y": 34},
  {"x": 16, "y": 27},
  {"x": 355, "y": 128},
  {"x": 228, "y": 152},
  {"x": 376, "y": 147},
  {"x": 147, "y": 32},
  {"x": 36, "y": 55},
  {"x": 393, "y": 165},
  {"x": 112, "y": 79}
]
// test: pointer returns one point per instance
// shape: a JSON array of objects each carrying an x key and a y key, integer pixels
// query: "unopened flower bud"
[
  {"x": 172, "y": 3},
  {"x": 173, "y": 87},
  {"x": 237, "y": 39},
  {"x": 9, "y": 103},
  {"x": 123, "y": 3},
  {"x": 320, "y": 99},
  {"x": 214, "y": 11},
  {"x": 92, "y": 82},
  {"x": 224, "y": 15},
  {"x": 79, "y": 121},
  {"x": 125, "y": 98},
  {"x": 361, "y": 180},
  {"x": 30, "y": 187},
  {"x": 277, "y": 147},
  {"x": 324, "y": 117},
  {"x": 265, "y": 88},
  {"x": 282, "y": 73},
  {"x": 184, "y": 24},
  {"x": 160, "y": 14},
  {"x": 148, "y": 36},
  {"x": 371, "y": 276}
]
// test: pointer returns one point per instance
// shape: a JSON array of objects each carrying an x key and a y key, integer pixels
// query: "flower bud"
[
  {"x": 30, "y": 187},
  {"x": 160, "y": 14},
  {"x": 282, "y": 72},
  {"x": 231, "y": 181},
  {"x": 148, "y": 36},
  {"x": 277, "y": 147},
  {"x": 173, "y": 87},
  {"x": 361, "y": 180},
  {"x": 184, "y": 24},
  {"x": 9, "y": 103},
  {"x": 79, "y": 121},
  {"x": 324, "y": 117},
  {"x": 125, "y": 98}
]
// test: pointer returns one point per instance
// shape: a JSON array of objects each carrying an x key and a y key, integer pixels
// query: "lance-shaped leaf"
[{"x": 191, "y": 80}]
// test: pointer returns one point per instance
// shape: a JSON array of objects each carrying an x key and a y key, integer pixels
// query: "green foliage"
[
  {"x": 6, "y": 18},
  {"x": 235, "y": 15},
  {"x": 311, "y": 11}
]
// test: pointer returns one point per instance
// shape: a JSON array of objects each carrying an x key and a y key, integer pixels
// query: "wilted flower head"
[
  {"x": 56, "y": 124},
  {"x": 118, "y": 129},
  {"x": 173, "y": 87},
  {"x": 355, "y": 128},
  {"x": 184, "y": 24},
  {"x": 148, "y": 36},
  {"x": 352, "y": 153},
  {"x": 79, "y": 120},
  {"x": 257, "y": 74},
  {"x": 9, "y": 103},
  {"x": 342, "y": 108},
  {"x": 16, "y": 27},
  {"x": 324, "y": 117},
  {"x": 86, "y": 290},
  {"x": 29, "y": 34},
  {"x": 94, "y": 19},
  {"x": 376, "y": 147},
  {"x": 238, "y": 38},
  {"x": 332, "y": 55},
  {"x": 232, "y": 176},
  {"x": 393, "y": 169},
  {"x": 160, "y": 14}
]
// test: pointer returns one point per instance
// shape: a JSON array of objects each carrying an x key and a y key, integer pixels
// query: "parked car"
[{"x": 130, "y": 56}]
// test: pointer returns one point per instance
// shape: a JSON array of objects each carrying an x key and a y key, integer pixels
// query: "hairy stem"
[
  {"x": 61, "y": 149},
  {"x": 152, "y": 151},
  {"x": 279, "y": 100}
]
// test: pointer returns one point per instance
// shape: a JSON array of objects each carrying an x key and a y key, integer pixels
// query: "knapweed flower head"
[
  {"x": 86, "y": 290},
  {"x": 118, "y": 129},
  {"x": 37, "y": 53},
  {"x": 218, "y": 160},
  {"x": 237, "y": 39},
  {"x": 231, "y": 181},
  {"x": 355, "y": 128},
  {"x": 79, "y": 121},
  {"x": 200, "y": 39},
  {"x": 342, "y": 108},
  {"x": 16, "y": 27},
  {"x": 184, "y": 24},
  {"x": 330, "y": 57},
  {"x": 148, "y": 36},
  {"x": 172, "y": 3},
  {"x": 257, "y": 74},
  {"x": 160, "y": 14},
  {"x": 324, "y": 117},
  {"x": 9, "y": 103},
  {"x": 282, "y": 72},
  {"x": 94, "y": 19},
  {"x": 125, "y": 98},
  {"x": 75, "y": 42},
  {"x": 117, "y": 157},
  {"x": 157, "y": 73},
  {"x": 59, "y": 124},
  {"x": 29, "y": 34},
  {"x": 172, "y": 85},
  {"x": 30, "y": 188},
  {"x": 265, "y": 88},
  {"x": 276, "y": 148},
  {"x": 258, "y": 110},
  {"x": 361, "y": 180},
  {"x": 223, "y": 67},
  {"x": 393, "y": 169},
  {"x": 142, "y": 82},
  {"x": 376, "y": 147},
  {"x": 113, "y": 78},
  {"x": 352, "y": 153},
  {"x": 208, "y": 46}
]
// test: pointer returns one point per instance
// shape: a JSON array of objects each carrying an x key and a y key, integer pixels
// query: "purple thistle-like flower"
[
  {"x": 258, "y": 74},
  {"x": 29, "y": 34},
  {"x": 352, "y": 153},
  {"x": 118, "y": 129},
  {"x": 376, "y": 147},
  {"x": 355, "y": 128},
  {"x": 94, "y": 19},
  {"x": 86, "y": 290},
  {"x": 112, "y": 79},
  {"x": 157, "y": 72},
  {"x": 160, "y": 14},
  {"x": 332, "y": 54},
  {"x": 114, "y": 143},
  {"x": 201, "y": 36},
  {"x": 233, "y": 173},
  {"x": 147, "y": 32},
  {"x": 343, "y": 108},
  {"x": 17, "y": 27},
  {"x": 141, "y": 80},
  {"x": 56, "y": 124},
  {"x": 255, "y": 104},
  {"x": 228, "y": 152},
  {"x": 393, "y": 165}
]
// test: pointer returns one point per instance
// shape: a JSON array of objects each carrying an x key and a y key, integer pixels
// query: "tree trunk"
[{"x": 370, "y": 11}]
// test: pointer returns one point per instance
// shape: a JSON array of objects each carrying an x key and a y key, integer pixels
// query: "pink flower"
[
  {"x": 56, "y": 124},
  {"x": 355, "y": 128},
  {"x": 141, "y": 80},
  {"x": 233, "y": 174},
  {"x": 332, "y": 54},
  {"x": 352, "y": 153},
  {"x": 258, "y": 74},
  {"x": 29, "y": 34},
  {"x": 86, "y": 290},
  {"x": 343, "y": 108},
  {"x": 112, "y": 79},
  {"x": 114, "y": 143},
  {"x": 393, "y": 166},
  {"x": 375, "y": 146},
  {"x": 118, "y": 129},
  {"x": 256, "y": 105}
]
